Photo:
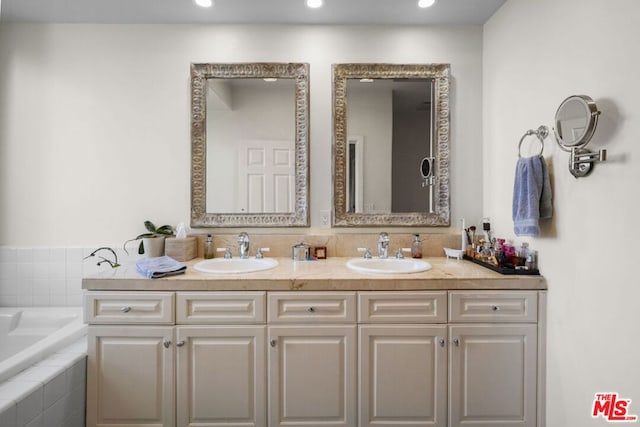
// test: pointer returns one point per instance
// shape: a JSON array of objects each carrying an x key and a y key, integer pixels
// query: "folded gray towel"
[
  {"x": 531, "y": 196},
  {"x": 162, "y": 266}
]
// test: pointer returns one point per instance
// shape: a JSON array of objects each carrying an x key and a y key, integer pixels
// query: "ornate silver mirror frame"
[
  {"x": 199, "y": 75},
  {"x": 439, "y": 73}
]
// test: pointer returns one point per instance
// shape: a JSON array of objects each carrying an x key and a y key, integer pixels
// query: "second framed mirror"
[{"x": 391, "y": 145}]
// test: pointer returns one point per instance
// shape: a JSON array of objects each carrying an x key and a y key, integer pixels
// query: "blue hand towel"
[
  {"x": 531, "y": 196},
  {"x": 162, "y": 266}
]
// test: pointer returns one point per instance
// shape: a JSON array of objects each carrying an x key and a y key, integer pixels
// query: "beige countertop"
[{"x": 331, "y": 274}]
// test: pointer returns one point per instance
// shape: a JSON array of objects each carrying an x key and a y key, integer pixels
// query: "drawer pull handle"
[
  {"x": 441, "y": 341},
  {"x": 495, "y": 308},
  {"x": 456, "y": 341},
  {"x": 166, "y": 343},
  {"x": 272, "y": 343},
  {"x": 311, "y": 310},
  {"x": 125, "y": 309},
  {"x": 180, "y": 343}
]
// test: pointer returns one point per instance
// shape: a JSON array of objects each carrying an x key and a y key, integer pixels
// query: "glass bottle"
[
  {"x": 208, "y": 247},
  {"x": 416, "y": 247}
]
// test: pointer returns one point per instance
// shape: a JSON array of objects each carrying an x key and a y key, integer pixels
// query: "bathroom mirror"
[
  {"x": 391, "y": 145},
  {"x": 249, "y": 145},
  {"x": 576, "y": 121}
]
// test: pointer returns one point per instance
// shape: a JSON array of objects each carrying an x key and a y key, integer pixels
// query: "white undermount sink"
[
  {"x": 388, "y": 265},
  {"x": 235, "y": 265}
]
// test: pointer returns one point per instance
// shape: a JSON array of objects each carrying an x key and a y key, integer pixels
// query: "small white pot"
[{"x": 153, "y": 246}]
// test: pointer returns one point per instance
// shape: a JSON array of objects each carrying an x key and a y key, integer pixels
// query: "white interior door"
[{"x": 266, "y": 176}]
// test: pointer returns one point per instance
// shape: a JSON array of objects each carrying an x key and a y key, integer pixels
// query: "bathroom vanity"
[{"x": 315, "y": 344}]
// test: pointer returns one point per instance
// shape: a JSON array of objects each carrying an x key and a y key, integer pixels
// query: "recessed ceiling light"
[
  {"x": 426, "y": 3},
  {"x": 204, "y": 3},
  {"x": 315, "y": 3}
]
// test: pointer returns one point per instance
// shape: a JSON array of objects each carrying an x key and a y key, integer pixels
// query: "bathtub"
[{"x": 29, "y": 335}]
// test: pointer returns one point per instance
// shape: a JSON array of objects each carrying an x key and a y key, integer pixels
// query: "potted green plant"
[{"x": 152, "y": 242}]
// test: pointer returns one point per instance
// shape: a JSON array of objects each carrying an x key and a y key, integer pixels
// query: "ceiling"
[{"x": 381, "y": 12}]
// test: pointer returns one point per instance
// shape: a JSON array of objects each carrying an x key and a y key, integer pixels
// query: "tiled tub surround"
[
  {"x": 49, "y": 394},
  {"x": 52, "y": 276}
]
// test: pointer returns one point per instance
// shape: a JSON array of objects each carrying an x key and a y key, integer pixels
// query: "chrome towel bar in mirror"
[
  {"x": 542, "y": 132},
  {"x": 575, "y": 122}
]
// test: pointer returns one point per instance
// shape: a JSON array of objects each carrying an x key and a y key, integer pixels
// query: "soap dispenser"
[
  {"x": 208, "y": 247},
  {"x": 416, "y": 247}
]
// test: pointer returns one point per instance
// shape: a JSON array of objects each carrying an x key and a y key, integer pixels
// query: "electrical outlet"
[{"x": 325, "y": 219}]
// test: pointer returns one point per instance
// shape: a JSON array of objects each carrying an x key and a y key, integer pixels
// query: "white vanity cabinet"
[
  {"x": 315, "y": 358},
  {"x": 210, "y": 374},
  {"x": 493, "y": 358},
  {"x": 312, "y": 359}
]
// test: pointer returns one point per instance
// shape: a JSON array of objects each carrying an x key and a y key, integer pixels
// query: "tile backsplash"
[
  {"x": 52, "y": 276},
  {"x": 45, "y": 276}
]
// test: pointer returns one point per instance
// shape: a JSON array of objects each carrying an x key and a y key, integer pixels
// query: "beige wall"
[
  {"x": 94, "y": 130},
  {"x": 536, "y": 53}
]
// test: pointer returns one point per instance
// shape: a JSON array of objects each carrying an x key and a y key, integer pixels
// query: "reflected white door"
[{"x": 266, "y": 176}]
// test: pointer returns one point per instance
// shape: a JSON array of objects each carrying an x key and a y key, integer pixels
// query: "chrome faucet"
[
  {"x": 383, "y": 245},
  {"x": 243, "y": 242}
]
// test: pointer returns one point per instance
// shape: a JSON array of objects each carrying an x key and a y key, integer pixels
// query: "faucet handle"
[
  {"x": 227, "y": 252},
  {"x": 259, "y": 254},
  {"x": 367, "y": 252},
  {"x": 383, "y": 237}
]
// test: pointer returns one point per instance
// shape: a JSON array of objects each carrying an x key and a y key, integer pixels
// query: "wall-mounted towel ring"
[{"x": 542, "y": 132}]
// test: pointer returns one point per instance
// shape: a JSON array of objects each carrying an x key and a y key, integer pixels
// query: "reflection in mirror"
[
  {"x": 391, "y": 145},
  {"x": 249, "y": 145},
  {"x": 576, "y": 120}
]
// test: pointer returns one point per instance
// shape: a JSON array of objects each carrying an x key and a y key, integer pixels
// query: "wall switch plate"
[{"x": 325, "y": 219}]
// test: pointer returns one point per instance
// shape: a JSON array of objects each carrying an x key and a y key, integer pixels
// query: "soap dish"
[{"x": 453, "y": 253}]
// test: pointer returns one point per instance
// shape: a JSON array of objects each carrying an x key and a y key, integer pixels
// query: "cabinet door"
[
  {"x": 493, "y": 375},
  {"x": 221, "y": 376},
  {"x": 403, "y": 375},
  {"x": 312, "y": 376},
  {"x": 130, "y": 378}
]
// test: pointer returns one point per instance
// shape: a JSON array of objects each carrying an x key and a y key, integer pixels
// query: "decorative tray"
[{"x": 507, "y": 270}]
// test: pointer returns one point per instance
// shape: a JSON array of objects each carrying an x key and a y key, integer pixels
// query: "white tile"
[
  {"x": 24, "y": 270},
  {"x": 76, "y": 419},
  {"x": 56, "y": 388},
  {"x": 41, "y": 374},
  {"x": 8, "y": 413},
  {"x": 55, "y": 414},
  {"x": 57, "y": 286},
  {"x": 8, "y": 287},
  {"x": 24, "y": 287},
  {"x": 78, "y": 347},
  {"x": 8, "y": 270},
  {"x": 30, "y": 407},
  {"x": 8, "y": 301},
  {"x": 77, "y": 399},
  {"x": 24, "y": 301},
  {"x": 58, "y": 300},
  {"x": 57, "y": 270},
  {"x": 41, "y": 301},
  {"x": 58, "y": 255},
  {"x": 77, "y": 374},
  {"x": 24, "y": 255},
  {"x": 73, "y": 269},
  {"x": 17, "y": 390},
  {"x": 41, "y": 287},
  {"x": 37, "y": 422},
  {"x": 8, "y": 254},
  {"x": 74, "y": 285},
  {"x": 74, "y": 300},
  {"x": 61, "y": 360},
  {"x": 41, "y": 254},
  {"x": 40, "y": 270}
]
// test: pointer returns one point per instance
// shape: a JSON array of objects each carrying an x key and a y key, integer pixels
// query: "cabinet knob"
[
  {"x": 311, "y": 310},
  {"x": 180, "y": 343},
  {"x": 166, "y": 343},
  {"x": 495, "y": 308},
  {"x": 441, "y": 341},
  {"x": 125, "y": 309},
  {"x": 272, "y": 343},
  {"x": 456, "y": 341}
]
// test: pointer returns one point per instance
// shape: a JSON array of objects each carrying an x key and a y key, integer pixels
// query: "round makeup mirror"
[{"x": 576, "y": 120}]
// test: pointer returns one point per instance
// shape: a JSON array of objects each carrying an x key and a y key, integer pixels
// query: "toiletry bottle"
[
  {"x": 208, "y": 247},
  {"x": 416, "y": 247}
]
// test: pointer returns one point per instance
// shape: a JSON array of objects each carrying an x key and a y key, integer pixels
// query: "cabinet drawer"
[
  {"x": 402, "y": 307},
  {"x": 311, "y": 307},
  {"x": 220, "y": 307},
  {"x": 129, "y": 307},
  {"x": 508, "y": 306}
]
